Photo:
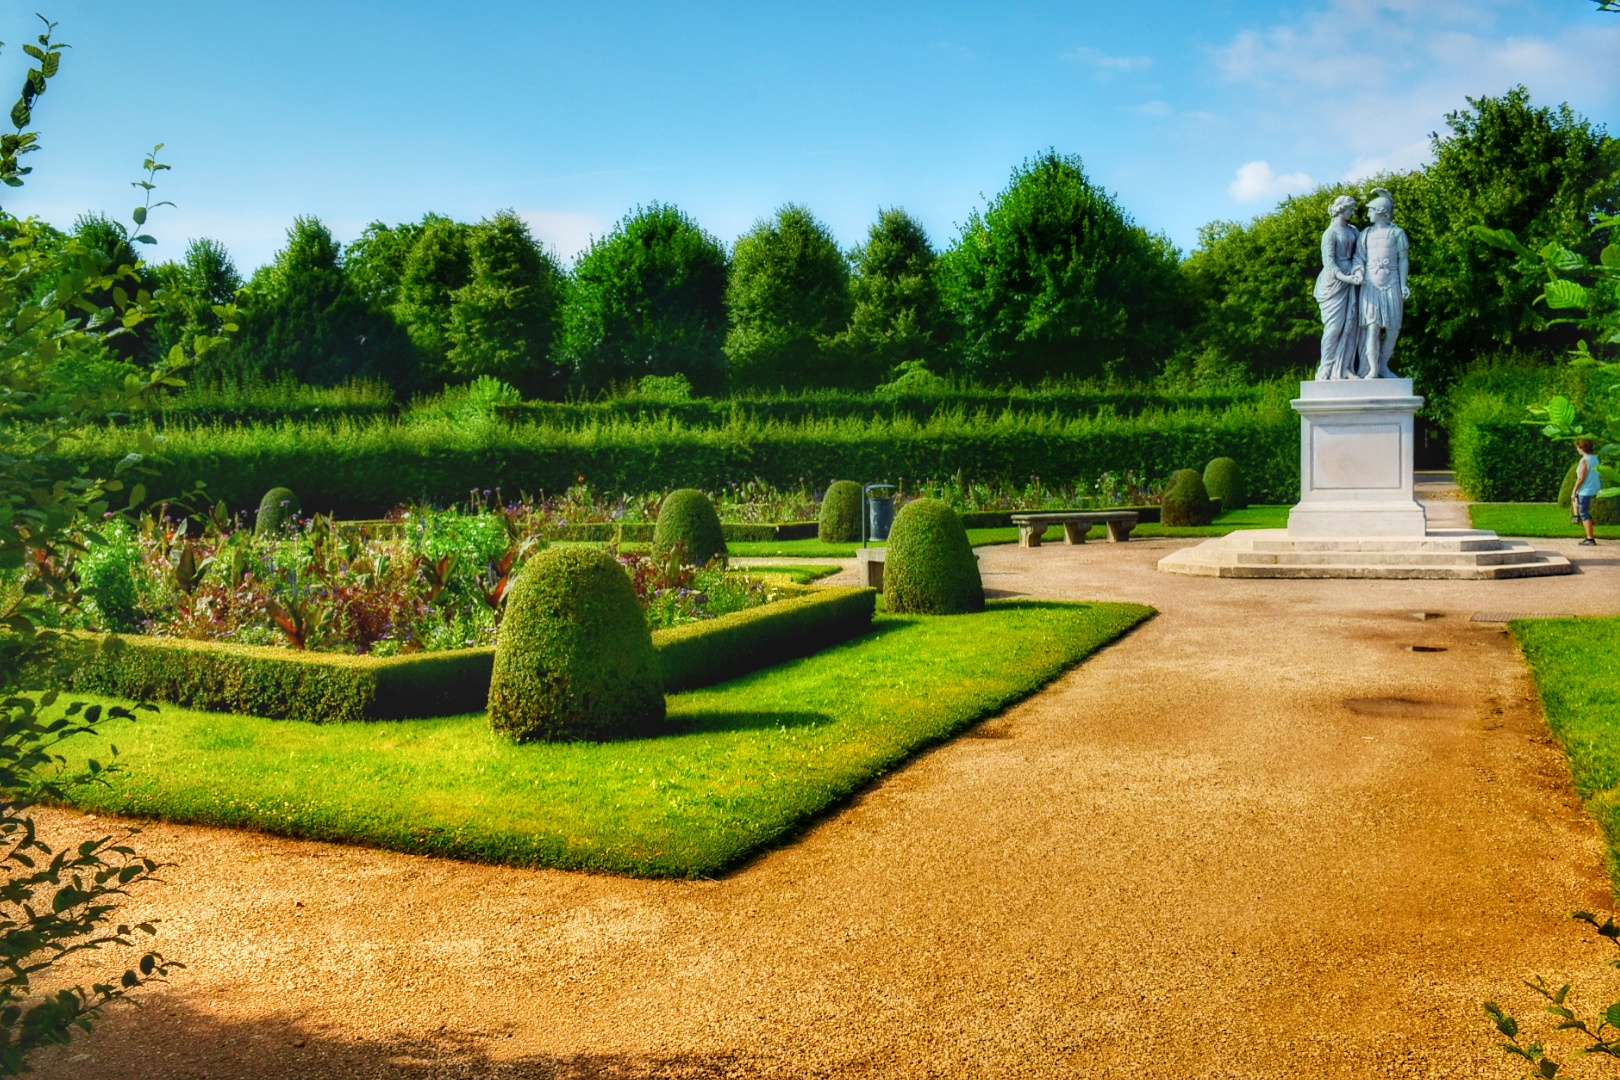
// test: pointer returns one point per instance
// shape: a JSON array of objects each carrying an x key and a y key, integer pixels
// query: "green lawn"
[
  {"x": 755, "y": 761},
  {"x": 1576, "y": 663},
  {"x": 1532, "y": 519},
  {"x": 801, "y": 574},
  {"x": 1254, "y": 517}
]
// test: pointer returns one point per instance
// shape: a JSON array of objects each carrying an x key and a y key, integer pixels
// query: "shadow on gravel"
[{"x": 171, "y": 1040}]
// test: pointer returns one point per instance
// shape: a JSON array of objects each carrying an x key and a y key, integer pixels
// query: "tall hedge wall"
[{"x": 361, "y": 470}]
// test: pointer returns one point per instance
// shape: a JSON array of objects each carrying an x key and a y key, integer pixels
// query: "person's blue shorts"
[{"x": 1583, "y": 507}]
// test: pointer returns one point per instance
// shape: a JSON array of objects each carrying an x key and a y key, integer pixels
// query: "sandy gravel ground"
[{"x": 1261, "y": 837}]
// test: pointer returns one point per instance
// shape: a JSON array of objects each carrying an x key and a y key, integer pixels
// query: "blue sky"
[{"x": 571, "y": 114}]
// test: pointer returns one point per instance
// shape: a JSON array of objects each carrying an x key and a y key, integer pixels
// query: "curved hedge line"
[
  {"x": 291, "y": 684},
  {"x": 363, "y": 470}
]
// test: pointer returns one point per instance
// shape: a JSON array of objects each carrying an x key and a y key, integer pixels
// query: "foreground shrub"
[
  {"x": 930, "y": 568},
  {"x": 687, "y": 522},
  {"x": 575, "y": 659},
  {"x": 700, "y": 654},
  {"x": 278, "y": 509},
  {"x": 840, "y": 513},
  {"x": 1186, "y": 502},
  {"x": 1223, "y": 480}
]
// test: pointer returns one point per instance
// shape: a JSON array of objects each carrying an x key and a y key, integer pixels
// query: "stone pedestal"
[{"x": 1355, "y": 460}]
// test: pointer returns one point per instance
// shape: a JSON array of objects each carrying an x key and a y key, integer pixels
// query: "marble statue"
[
  {"x": 1336, "y": 293},
  {"x": 1381, "y": 260}
]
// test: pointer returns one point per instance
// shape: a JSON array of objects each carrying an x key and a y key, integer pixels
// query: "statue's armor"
[{"x": 1379, "y": 254}]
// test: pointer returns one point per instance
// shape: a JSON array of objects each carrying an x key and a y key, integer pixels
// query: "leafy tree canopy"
[
  {"x": 898, "y": 315},
  {"x": 503, "y": 320},
  {"x": 788, "y": 296},
  {"x": 649, "y": 299}
]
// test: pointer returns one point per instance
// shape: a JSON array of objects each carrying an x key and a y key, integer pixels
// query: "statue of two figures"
[{"x": 1362, "y": 290}]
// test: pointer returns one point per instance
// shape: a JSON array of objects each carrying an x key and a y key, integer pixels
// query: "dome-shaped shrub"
[
  {"x": 278, "y": 511},
  {"x": 1223, "y": 480},
  {"x": 1606, "y": 510},
  {"x": 574, "y": 658},
  {"x": 840, "y": 513},
  {"x": 930, "y": 568},
  {"x": 1185, "y": 501},
  {"x": 687, "y": 518}
]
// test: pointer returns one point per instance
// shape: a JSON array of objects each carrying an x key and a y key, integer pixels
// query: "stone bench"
[{"x": 1076, "y": 523}]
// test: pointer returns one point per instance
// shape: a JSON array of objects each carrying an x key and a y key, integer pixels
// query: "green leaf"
[
  {"x": 1562, "y": 294},
  {"x": 139, "y": 215},
  {"x": 1500, "y": 238},
  {"x": 137, "y": 495},
  {"x": 1610, "y": 256},
  {"x": 1561, "y": 411}
]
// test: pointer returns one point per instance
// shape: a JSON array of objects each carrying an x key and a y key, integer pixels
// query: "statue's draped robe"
[{"x": 1340, "y": 326}]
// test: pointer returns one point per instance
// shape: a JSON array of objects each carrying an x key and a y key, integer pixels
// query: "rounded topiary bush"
[
  {"x": 1223, "y": 480},
  {"x": 1185, "y": 501},
  {"x": 278, "y": 511},
  {"x": 687, "y": 519},
  {"x": 1605, "y": 510},
  {"x": 930, "y": 568},
  {"x": 574, "y": 658},
  {"x": 840, "y": 513}
]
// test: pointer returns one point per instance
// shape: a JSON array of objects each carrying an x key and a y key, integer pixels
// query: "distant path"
[
  {"x": 1260, "y": 837},
  {"x": 1442, "y": 500}
]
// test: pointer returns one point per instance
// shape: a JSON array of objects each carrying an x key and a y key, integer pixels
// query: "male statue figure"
[
  {"x": 1381, "y": 260},
  {"x": 1336, "y": 288}
]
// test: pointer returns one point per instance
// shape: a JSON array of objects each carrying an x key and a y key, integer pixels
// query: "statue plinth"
[{"x": 1355, "y": 460}]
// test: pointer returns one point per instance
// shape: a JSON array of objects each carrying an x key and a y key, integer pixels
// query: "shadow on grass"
[{"x": 173, "y": 1039}]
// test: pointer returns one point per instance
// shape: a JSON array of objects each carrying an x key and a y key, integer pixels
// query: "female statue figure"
[
  {"x": 1381, "y": 260},
  {"x": 1336, "y": 288}
]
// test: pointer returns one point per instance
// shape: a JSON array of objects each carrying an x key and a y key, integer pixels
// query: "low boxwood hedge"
[
  {"x": 290, "y": 684},
  {"x": 641, "y": 532}
]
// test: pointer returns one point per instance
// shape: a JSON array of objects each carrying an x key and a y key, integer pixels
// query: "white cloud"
[
  {"x": 1256, "y": 180},
  {"x": 565, "y": 233},
  {"x": 1359, "y": 84},
  {"x": 1104, "y": 64}
]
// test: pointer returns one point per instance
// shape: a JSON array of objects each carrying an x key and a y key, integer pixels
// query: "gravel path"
[{"x": 1261, "y": 837}]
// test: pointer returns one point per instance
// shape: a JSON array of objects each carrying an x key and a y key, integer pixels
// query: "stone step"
[
  {"x": 1461, "y": 554},
  {"x": 1538, "y": 568},
  {"x": 1502, "y": 557}
]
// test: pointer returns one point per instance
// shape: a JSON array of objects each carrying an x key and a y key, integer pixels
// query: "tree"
[
  {"x": 1054, "y": 280},
  {"x": 306, "y": 322},
  {"x": 204, "y": 279},
  {"x": 1544, "y": 174},
  {"x": 111, "y": 240},
  {"x": 439, "y": 263},
  {"x": 898, "y": 315},
  {"x": 649, "y": 299},
  {"x": 376, "y": 261},
  {"x": 503, "y": 320},
  {"x": 788, "y": 296},
  {"x": 56, "y": 904}
]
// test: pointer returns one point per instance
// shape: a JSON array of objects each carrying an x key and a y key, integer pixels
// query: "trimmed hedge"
[
  {"x": 700, "y": 654},
  {"x": 930, "y": 568},
  {"x": 687, "y": 523},
  {"x": 289, "y": 684},
  {"x": 840, "y": 521},
  {"x": 641, "y": 532},
  {"x": 278, "y": 509},
  {"x": 1223, "y": 480},
  {"x": 1186, "y": 502},
  {"x": 364, "y": 470},
  {"x": 575, "y": 659}
]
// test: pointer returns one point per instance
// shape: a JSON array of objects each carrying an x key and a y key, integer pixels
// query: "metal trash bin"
[{"x": 879, "y": 516}]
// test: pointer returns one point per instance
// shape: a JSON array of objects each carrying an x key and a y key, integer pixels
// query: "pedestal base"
[
  {"x": 1456, "y": 554},
  {"x": 1355, "y": 460}
]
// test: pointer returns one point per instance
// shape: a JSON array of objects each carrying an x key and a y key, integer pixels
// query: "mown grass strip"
[
  {"x": 757, "y": 760},
  {"x": 1532, "y": 519},
  {"x": 1576, "y": 664}
]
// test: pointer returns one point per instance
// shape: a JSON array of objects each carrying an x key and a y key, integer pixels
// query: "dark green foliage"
[
  {"x": 376, "y": 261},
  {"x": 930, "y": 568},
  {"x": 788, "y": 296},
  {"x": 840, "y": 513},
  {"x": 503, "y": 320},
  {"x": 1053, "y": 280},
  {"x": 687, "y": 523},
  {"x": 110, "y": 241},
  {"x": 304, "y": 321},
  {"x": 703, "y": 653},
  {"x": 1498, "y": 457},
  {"x": 292, "y": 684},
  {"x": 898, "y": 315},
  {"x": 1223, "y": 480},
  {"x": 277, "y": 514},
  {"x": 1185, "y": 501},
  {"x": 439, "y": 264},
  {"x": 368, "y": 470},
  {"x": 649, "y": 299},
  {"x": 575, "y": 660},
  {"x": 205, "y": 278}
]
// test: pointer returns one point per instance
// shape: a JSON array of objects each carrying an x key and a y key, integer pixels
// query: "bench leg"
[
  {"x": 1030, "y": 535},
  {"x": 1074, "y": 532},
  {"x": 1119, "y": 532}
]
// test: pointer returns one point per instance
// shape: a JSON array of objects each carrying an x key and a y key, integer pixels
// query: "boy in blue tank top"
[{"x": 1588, "y": 482}]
